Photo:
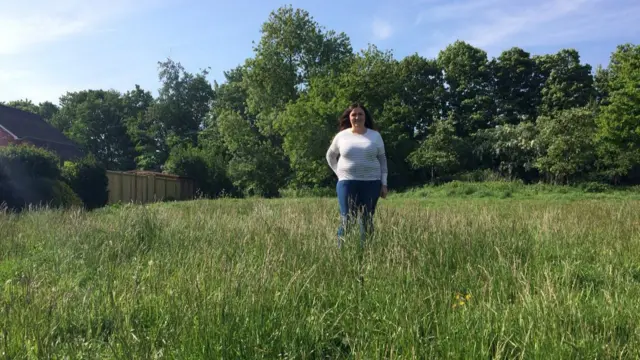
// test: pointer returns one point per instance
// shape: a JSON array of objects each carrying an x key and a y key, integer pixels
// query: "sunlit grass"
[{"x": 265, "y": 279}]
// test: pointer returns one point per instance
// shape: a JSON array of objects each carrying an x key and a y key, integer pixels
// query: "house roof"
[
  {"x": 32, "y": 128},
  {"x": 64, "y": 151}
]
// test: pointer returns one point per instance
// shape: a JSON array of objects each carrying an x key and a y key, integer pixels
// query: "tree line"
[{"x": 530, "y": 117}]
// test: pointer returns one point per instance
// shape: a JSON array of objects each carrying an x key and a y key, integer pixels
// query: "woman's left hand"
[{"x": 384, "y": 191}]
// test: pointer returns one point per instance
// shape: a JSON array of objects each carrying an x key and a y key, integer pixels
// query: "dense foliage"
[
  {"x": 88, "y": 179},
  {"x": 544, "y": 118},
  {"x": 32, "y": 176}
]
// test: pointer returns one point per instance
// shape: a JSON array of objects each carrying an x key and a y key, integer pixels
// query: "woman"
[{"x": 357, "y": 157}]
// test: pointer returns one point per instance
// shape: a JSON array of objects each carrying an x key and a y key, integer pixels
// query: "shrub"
[
  {"x": 58, "y": 194},
  {"x": 7, "y": 196},
  {"x": 207, "y": 172},
  {"x": 26, "y": 160},
  {"x": 480, "y": 175},
  {"x": 88, "y": 178},
  {"x": 32, "y": 176},
  {"x": 594, "y": 187},
  {"x": 40, "y": 192}
]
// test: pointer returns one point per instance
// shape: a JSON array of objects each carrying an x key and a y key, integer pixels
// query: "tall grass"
[
  {"x": 519, "y": 190},
  {"x": 231, "y": 279},
  {"x": 495, "y": 189}
]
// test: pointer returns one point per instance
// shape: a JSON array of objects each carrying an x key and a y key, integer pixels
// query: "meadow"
[{"x": 449, "y": 273}]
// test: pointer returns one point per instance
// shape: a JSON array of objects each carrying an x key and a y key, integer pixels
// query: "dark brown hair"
[{"x": 345, "y": 123}]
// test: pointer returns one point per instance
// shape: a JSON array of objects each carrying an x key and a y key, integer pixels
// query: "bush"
[
  {"x": 480, "y": 175},
  {"x": 32, "y": 176},
  {"x": 40, "y": 192},
  {"x": 58, "y": 194},
  {"x": 26, "y": 160},
  {"x": 209, "y": 175},
  {"x": 594, "y": 187},
  {"x": 89, "y": 180},
  {"x": 7, "y": 196}
]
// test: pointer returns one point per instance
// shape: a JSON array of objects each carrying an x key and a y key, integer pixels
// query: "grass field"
[{"x": 443, "y": 277}]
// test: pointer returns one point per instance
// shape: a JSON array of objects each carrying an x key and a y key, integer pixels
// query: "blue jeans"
[{"x": 357, "y": 199}]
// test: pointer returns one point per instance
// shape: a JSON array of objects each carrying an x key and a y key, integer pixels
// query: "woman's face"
[{"x": 357, "y": 118}]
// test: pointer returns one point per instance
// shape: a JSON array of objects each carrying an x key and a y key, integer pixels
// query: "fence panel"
[{"x": 144, "y": 187}]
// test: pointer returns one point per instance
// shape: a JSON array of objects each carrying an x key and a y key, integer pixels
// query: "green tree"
[
  {"x": 601, "y": 86},
  {"x": 256, "y": 166},
  {"x": 397, "y": 123},
  {"x": 95, "y": 120},
  {"x": 517, "y": 87},
  {"x": 307, "y": 127},
  {"x": 619, "y": 119},
  {"x": 232, "y": 138},
  {"x": 293, "y": 48},
  {"x": 137, "y": 101},
  {"x": 402, "y": 97},
  {"x": 47, "y": 110},
  {"x": 231, "y": 95},
  {"x": 388, "y": 89},
  {"x": 88, "y": 178},
  {"x": 185, "y": 99},
  {"x": 208, "y": 173},
  {"x": 174, "y": 118},
  {"x": 137, "y": 112},
  {"x": 421, "y": 88},
  {"x": 510, "y": 149},
  {"x": 25, "y": 105},
  {"x": 371, "y": 77},
  {"x": 440, "y": 151},
  {"x": 468, "y": 75},
  {"x": 567, "y": 83},
  {"x": 407, "y": 113},
  {"x": 566, "y": 144}
]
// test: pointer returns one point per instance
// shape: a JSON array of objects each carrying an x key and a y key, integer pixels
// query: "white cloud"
[
  {"x": 495, "y": 25},
  {"x": 381, "y": 29},
  {"x": 26, "y": 24}
]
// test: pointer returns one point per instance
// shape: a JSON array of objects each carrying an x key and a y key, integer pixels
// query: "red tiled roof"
[{"x": 32, "y": 128}]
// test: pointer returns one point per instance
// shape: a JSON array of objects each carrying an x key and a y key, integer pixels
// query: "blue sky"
[{"x": 48, "y": 47}]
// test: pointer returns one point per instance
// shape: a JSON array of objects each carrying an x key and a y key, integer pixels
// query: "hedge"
[
  {"x": 32, "y": 176},
  {"x": 89, "y": 180},
  {"x": 26, "y": 160}
]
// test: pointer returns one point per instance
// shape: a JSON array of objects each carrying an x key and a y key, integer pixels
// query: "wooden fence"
[{"x": 145, "y": 187}]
